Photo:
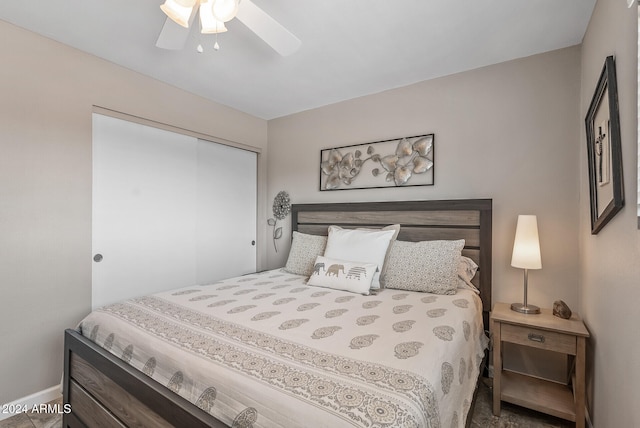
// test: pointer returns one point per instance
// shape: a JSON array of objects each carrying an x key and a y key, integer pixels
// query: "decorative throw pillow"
[
  {"x": 430, "y": 266},
  {"x": 466, "y": 271},
  {"x": 343, "y": 275},
  {"x": 304, "y": 250},
  {"x": 362, "y": 245}
]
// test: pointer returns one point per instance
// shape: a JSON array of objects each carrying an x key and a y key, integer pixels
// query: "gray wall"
[
  {"x": 506, "y": 132},
  {"x": 610, "y": 261},
  {"x": 47, "y": 92}
]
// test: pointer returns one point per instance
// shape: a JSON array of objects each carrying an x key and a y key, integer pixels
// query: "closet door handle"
[
  {"x": 97, "y": 258},
  {"x": 253, "y": 243}
]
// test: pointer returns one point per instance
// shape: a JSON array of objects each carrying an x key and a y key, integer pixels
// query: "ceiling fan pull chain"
[{"x": 200, "y": 48}]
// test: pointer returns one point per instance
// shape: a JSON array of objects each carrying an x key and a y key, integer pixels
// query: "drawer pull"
[{"x": 536, "y": 337}]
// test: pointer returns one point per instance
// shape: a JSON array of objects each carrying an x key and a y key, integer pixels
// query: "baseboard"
[{"x": 42, "y": 397}]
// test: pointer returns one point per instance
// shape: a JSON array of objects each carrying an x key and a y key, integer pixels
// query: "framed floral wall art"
[{"x": 401, "y": 162}]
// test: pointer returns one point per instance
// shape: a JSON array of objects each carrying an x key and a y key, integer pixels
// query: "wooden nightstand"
[{"x": 543, "y": 331}]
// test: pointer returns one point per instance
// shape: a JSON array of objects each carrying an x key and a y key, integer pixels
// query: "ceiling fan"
[{"x": 213, "y": 14}]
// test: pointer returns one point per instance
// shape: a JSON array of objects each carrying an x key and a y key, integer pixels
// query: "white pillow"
[
  {"x": 343, "y": 275},
  {"x": 466, "y": 271},
  {"x": 430, "y": 266},
  {"x": 361, "y": 245},
  {"x": 380, "y": 279},
  {"x": 304, "y": 250}
]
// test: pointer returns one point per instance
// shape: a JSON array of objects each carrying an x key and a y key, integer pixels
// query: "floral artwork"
[
  {"x": 406, "y": 161},
  {"x": 281, "y": 209}
]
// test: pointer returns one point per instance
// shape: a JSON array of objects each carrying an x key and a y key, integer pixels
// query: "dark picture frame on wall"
[{"x": 604, "y": 149}]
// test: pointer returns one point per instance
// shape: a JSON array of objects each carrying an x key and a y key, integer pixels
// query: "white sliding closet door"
[
  {"x": 163, "y": 214},
  {"x": 227, "y": 210}
]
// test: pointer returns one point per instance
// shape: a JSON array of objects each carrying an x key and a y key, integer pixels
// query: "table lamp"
[{"x": 526, "y": 255}]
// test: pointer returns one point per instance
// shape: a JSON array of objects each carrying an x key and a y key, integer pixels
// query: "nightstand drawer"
[{"x": 536, "y": 338}]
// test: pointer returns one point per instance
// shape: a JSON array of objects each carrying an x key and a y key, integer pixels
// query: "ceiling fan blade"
[
  {"x": 174, "y": 36},
  {"x": 267, "y": 28}
]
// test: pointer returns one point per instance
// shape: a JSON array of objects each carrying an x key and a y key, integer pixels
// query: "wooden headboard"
[{"x": 468, "y": 219}]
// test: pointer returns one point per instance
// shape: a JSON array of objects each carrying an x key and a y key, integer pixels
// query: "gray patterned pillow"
[
  {"x": 466, "y": 271},
  {"x": 304, "y": 250},
  {"x": 430, "y": 266}
]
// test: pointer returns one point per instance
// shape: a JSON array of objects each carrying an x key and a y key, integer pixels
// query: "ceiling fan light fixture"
[
  {"x": 186, "y": 3},
  {"x": 225, "y": 10},
  {"x": 173, "y": 36},
  {"x": 208, "y": 22},
  {"x": 175, "y": 10}
]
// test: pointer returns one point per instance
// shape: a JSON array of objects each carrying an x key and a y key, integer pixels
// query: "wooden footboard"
[{"x": 104, "y": 391}]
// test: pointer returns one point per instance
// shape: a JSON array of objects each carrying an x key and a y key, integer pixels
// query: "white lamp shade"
[
  {"x": 177, "y": 12},
  {"x": 225, "y": 10},
  {"x": 526, "y": 247},
  {"x": 209, "y": 24}
]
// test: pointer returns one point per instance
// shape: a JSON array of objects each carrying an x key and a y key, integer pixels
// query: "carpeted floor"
[{"x": 511, "y": 416}]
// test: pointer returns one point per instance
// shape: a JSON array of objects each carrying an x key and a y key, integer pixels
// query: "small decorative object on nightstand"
[
  {"x": 543, "y": 332},
  {"x": 561, "y": 309},
  {"x": 526, "y": 255}
]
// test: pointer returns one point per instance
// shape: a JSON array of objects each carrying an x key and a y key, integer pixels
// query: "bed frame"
[{"x": 103, "y": 391}]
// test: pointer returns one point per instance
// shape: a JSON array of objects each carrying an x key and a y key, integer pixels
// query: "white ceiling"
[{"x": 350, "y": 48}]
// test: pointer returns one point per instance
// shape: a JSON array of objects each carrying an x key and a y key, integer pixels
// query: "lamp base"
[{"x": 525, "y": 309}]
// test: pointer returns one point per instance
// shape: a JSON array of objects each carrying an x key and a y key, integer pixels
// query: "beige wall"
[
  {"x": 506, "y": 132},
  {"x": 610, "y": 261},
  {"x": 512, "y": 132},
  {"x": 46, "y": 95}
]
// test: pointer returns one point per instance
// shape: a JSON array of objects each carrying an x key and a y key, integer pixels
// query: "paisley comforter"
[{"x": 268, "y": 350}]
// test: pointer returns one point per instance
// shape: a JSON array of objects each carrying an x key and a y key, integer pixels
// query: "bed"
[{"x": 293, "y": 354}]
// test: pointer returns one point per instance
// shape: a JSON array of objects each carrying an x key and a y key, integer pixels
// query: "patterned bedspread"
[{"x": 268, "y": 350}]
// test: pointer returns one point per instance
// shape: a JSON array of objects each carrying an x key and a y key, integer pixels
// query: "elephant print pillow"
[{"x": 342, "y": 275}]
